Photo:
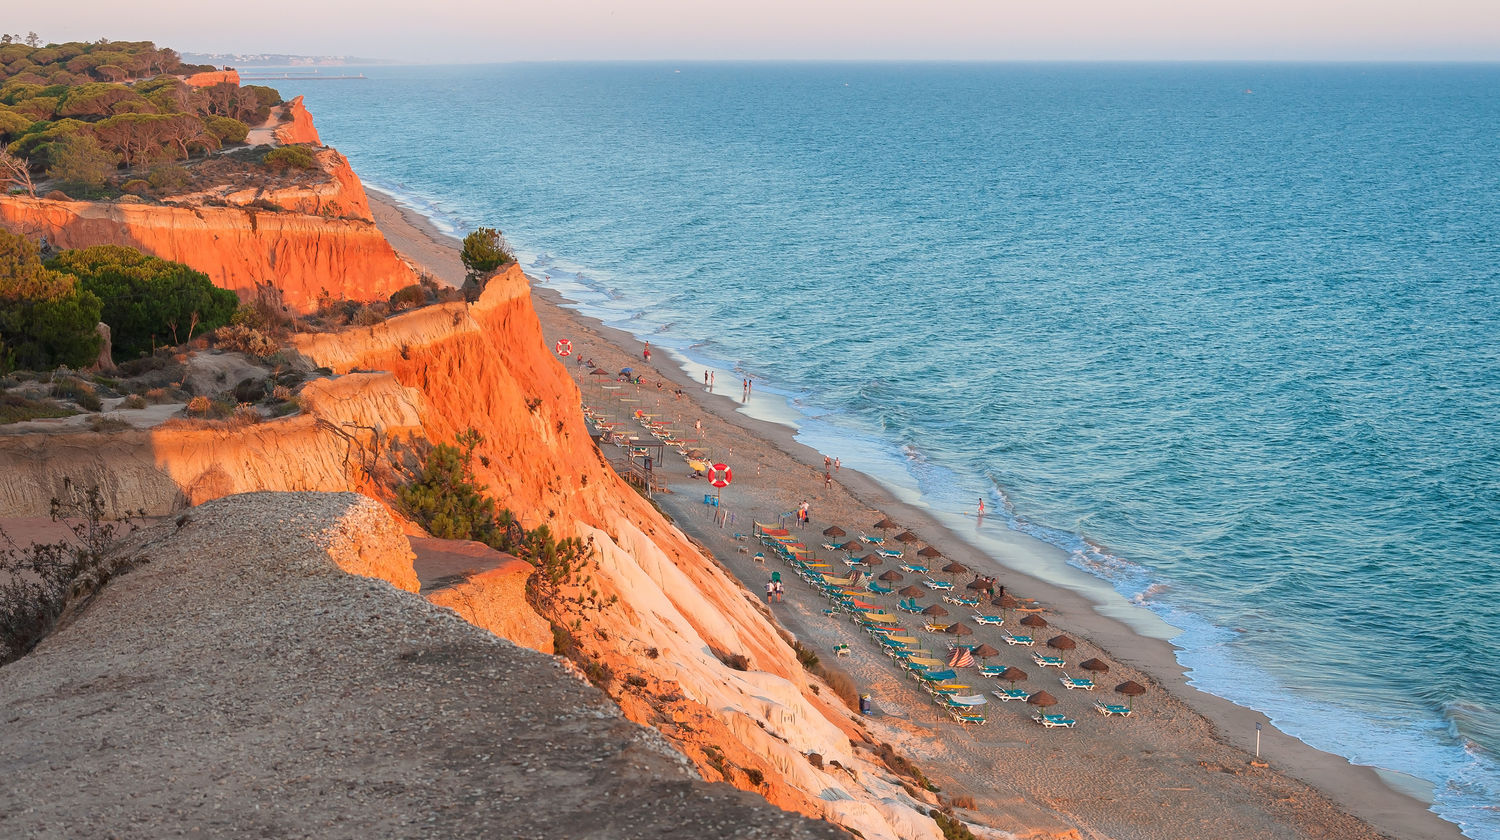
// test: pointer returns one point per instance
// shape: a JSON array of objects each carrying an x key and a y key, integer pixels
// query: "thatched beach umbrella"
[
  {"x": 885, "y": 524},
  {"x": 1131, "y": 689},
  {"x": 985, "y": 652},
  {"x": 1034, "y": 621},
  {"x": 935, "y": 609},
  {"x": 959, "y": 629},
  {"x": 1013, "y": 675},
  {"x": 955, "y": 568},
  {"x": 1043, "y": 699},
  {"x": 912, "y": 591},
  {"x": 834, "y": 531},
  {"x": 907, "y": 537},
  {"x": 980, "y": 585},
  {"x": 932, "y": 553},
  {"x": 1095, "y": 665},
  {"x": 872, "y": 560},
  {"x": 1006, "y": 602},
  {"x": 891, "y": 575},
  {"x": 1061, "y": 643}
]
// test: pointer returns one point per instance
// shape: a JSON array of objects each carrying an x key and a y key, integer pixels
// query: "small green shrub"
[
  {"x": 106, "y": 423},
  {"x": 284, "y": 158},
  {"x": 167, "y": 177},
  {"x": 15, "y": 408},
  {"x": 245, "y": 340},
  {"x": 806, "y": 656},
  {"x": 135, "y": 186},
  {"x": 484, "y": 251},
  {"x": 408, "y": 297},
  {"x": 755, "y": 776},
  {"x": 135, "y": 401},
  {"x": 952, "y": 827}
]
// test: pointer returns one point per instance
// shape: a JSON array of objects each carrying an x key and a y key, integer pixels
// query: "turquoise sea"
[{"x": 1227, "y": 336}]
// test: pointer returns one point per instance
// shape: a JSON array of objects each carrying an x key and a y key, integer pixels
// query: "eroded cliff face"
[
  {"x": 484, "y": 366},
  {"x": 241, "y": 249},
  {"x": 299, "y": 128}
]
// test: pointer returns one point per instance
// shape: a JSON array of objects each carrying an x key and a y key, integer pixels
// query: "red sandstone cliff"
[
  {"x": 299, "y": 128},
  {"x": 209, "y": 78}
]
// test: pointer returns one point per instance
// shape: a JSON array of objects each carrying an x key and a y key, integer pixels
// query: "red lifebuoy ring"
[
  {"x": 720, "y": 475},
  {"x": 564, "y": 347}
]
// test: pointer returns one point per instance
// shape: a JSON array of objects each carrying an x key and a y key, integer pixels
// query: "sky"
[{"x": 460, "y": 31}]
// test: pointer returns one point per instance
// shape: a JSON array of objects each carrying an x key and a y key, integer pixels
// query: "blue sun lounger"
[
  {"x": 1025, "y": 641},
  {"x": 1072, "y": 683},
  {"x": 1048, "y": 661},
  {"x": 1008, "y": 694},
  {"x": 1054, "y": 721}
]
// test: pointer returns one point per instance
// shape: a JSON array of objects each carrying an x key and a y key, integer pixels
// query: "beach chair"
[
  {"x": 1111, "y": 709},
  {"x": 991, "y": 670},
  {"x": 965, "y": 700},
  {"x": 934, "y": 628},
  {"x": 829, "y": 546},
  {"x": 759, "y": 557},
  {"x": 959, "y": 600},
  {"x": 1055, "y": 721},
  {"x": 1070, "y": 683},
  {"x": 887, "y": 553},
  {"x": 1048, "y": 661},
  {"x": 916, "y": 570},
  {"x": 939, "y": 585},
  {"x": 873, "y": 540},
  {"x": 1024, "y": 641},
  {"x": 969, "y": 718},
  {"x": 1008, "y": 694},
  {"x": 992, "y": 620},
  {"x": 909, "y": 605},
  {"x": 937, "y": 676},
  {"x": 840, "y": 650}
]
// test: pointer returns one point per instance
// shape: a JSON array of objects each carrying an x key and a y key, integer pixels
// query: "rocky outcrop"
[
  {"x": 238, "y": 683},
  {"x": 485, "y": 587},
  {"x": 246, "y": 250},
  {"x": 298, "y": 127},
  {"x": 209, "y": 78}
]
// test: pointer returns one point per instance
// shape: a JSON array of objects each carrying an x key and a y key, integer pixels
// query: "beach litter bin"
[{"x": 864, "y": 704}]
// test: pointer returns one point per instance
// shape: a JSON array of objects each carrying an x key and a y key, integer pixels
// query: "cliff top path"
[{"x": 242, "y": 682}]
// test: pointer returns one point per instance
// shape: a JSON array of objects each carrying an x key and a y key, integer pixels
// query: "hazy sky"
[{"x": 508, "y": 30}]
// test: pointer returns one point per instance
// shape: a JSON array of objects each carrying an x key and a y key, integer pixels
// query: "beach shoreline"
[{"x": 1359, "y": 791}]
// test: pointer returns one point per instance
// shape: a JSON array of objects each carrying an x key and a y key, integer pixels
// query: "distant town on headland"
[{"x": 278, "y": 60}]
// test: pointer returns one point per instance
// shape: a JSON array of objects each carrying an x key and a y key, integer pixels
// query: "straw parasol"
[
  {"x": 885, "y": 524},
  {"x": 872, "y": 560},
  {"x": 1034, "y": 621},
  {"x": 1042, "y": 698},
  {"x": 985, "y": 652},
  {"x": 1131, "y": 689},
  {"x": 912, "y": 591},
  {"x": 1061, "y": 643},
  {"x": 959, "y": 629},
  {"x": 979, "y": 584},
  {"x": 891, "y": 575},
  {"x": 1095, "y": 665},
  {"x": 1006, "y": 602},
  {"x": 834, "y": 531},
  {"x": 935, "y": 609},
  {"x": 1013, "y": 675},
  {"x": 907, "y": 537},
  {"x": 929, "y": 551},
  {"x": 955, "y": 568}
]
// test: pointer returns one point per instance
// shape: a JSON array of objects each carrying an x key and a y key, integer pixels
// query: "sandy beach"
[{"x": 1181, "y": 766}]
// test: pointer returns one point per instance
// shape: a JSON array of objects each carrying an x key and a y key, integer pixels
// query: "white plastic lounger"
[
  {"x": 939, "y": 585},
  {"x": 1008, "y": 694},
  {"x": 992, "y": 620},
  {"x": 1048, "y": 661},
  {"x": 1024, "y": 641},
  {"x": 1110, "y": 709},
  {"x": 916, "y": 570},
  {"x": 886, "y": 552},
  {"x": 1070, "y": 683}
]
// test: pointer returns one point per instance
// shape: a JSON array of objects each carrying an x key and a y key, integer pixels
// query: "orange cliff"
[
  {"x": 209, "y": 78},
  {"x": 299, "y": 128},
  {"x": 322, "y": 239}
]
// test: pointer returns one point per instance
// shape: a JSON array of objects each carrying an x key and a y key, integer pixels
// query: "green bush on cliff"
[
  {"x": 291, "y": 157},
  {"x": 484, "y": 251},
  {"x": 147, "y": 300}
]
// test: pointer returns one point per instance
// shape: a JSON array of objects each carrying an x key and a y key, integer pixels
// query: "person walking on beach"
[
  {"x": 770, "y": 591},
  {"x": 647, "y": 352},
  {"x": 779, "y": 591},
  {"x": 836, "y": 464},
  {"x": 827, "y": 480},
  {"x": 705, "y": 377},
  {"x": 713, "y": 377},
  {"x": 981, "y": 508}
]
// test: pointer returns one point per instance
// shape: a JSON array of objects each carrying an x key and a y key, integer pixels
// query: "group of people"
[
  {"x": 802, "y": 514},
  {"x": 774, "y": 589}
]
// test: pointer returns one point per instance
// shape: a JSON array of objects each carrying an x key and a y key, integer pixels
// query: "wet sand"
[{"x": 1180, "y": 766}]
